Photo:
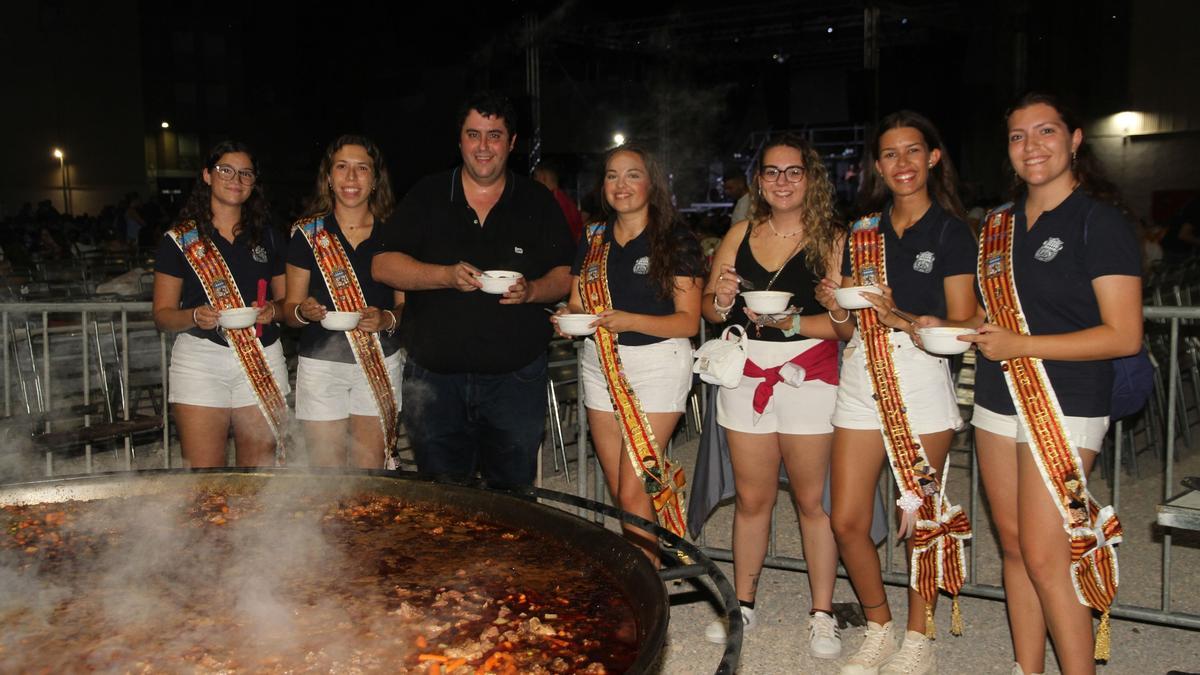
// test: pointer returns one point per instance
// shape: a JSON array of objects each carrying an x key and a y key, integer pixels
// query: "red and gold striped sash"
[
  {"x": 664, "y": 479},
  {"x": 939, "y": 529},
  {"x": 222, "y": 291},
  {"x": 347, "y": 295},
  {"x": 1093, "y": 531}
]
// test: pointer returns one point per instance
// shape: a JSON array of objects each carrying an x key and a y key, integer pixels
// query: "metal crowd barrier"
[
  {"x": 22, "y": 324},
  {"x": 1163, "y": 614}
]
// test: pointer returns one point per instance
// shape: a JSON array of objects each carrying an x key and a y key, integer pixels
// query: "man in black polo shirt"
[{"x": 474, "y": 385}]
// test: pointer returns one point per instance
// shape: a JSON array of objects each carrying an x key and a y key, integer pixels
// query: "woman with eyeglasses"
[
  {"x": 896, "y": 402},
  {"x": 348, "y": 378},
  {"x": 780, "y": 412},
  {"x": 219, "y": 283}
]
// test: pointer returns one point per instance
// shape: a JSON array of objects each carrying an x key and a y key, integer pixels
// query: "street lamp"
[
  {"x": 165, "y": 124},
  {"x": 62, "y": 167},
  {"x": 618, "y": 138}
]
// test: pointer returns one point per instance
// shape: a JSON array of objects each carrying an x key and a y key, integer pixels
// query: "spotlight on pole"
[
  {"x": 58, "y": 154},
  {"x": 618, "y": 138},
  {"x": 166, "y": 124}
]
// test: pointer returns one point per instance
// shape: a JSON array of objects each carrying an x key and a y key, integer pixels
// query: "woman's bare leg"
[
  {"x": 807, "y": 460},
  {"x": 203, "y": 434},
  {"x": 997, "y": 457},
  {"x": 857, "y": 459},
  {"x": 755, "y": 459}
]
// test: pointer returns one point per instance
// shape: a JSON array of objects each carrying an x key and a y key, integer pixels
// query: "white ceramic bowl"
[
  {"x": 497, "y": 282},
  {"x": 849, "y": 298},
  {"x": 944, "y": 340},
  {"x": 239, "y": 317},
  {"x": 576, "y": 324},
  {"x": 767, "y": 302},
  {"x": 341, "y": 320}
]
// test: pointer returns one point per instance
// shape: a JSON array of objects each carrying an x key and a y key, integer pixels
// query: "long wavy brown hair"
[
  {"x": 943, "y": 179},
  {"x": 822, "y": 228},
  {"x": 381, "y": 202},
  {"x": 1085, "y": 166},
  {"x": 666, "y": 250},
  {"x": 255, "y": 211}
]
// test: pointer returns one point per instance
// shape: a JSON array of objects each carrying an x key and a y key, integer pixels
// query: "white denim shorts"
[
  {"x": 660, "y": 374},
  {"x": 207, "y": 374},
  {"x": 332, "y": 390},
  {"x": 1085, "y": 432},
  {"x": 925, "y": 385},
  {"x": 801, "y": 410}
]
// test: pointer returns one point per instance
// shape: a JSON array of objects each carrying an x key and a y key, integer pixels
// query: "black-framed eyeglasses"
[
  {"x": 793, "y": 174},
  {"x": 227, "y": 173}
]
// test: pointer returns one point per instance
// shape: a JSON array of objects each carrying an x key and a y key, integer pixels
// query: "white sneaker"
[
  {"x": 1016, "y": 670},
  {"x": 824, "y": 641},
  {"x": 916, "y": 657},
  {"x": 717, "y": 633},
  {"x": 876, "y": 647}
]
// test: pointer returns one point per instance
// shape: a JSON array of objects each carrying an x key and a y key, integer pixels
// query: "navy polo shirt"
[
  {"x": 315, "y": 341},
  {"x": 248, "y": 265},
  {"x": 448, "y": 331},
  {"x": 1054, "y": 265},
  {"x": 629, "y": 284},
  {"x": 937, "y": 246}
]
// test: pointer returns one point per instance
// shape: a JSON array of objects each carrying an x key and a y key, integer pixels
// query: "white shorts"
[
  {"x": 801, "y": 410},
  {"x": 208, "y": 374},
  {"x": 924, "y": 383},
  {"x": 332, "y": 390},
  {"x": 1086, "y": 433},
  {"x": 660, "y": 374}
]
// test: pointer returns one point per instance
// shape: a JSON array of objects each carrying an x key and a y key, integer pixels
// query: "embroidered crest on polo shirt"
[
  {"x": 642, "y": 265},
  {"x": 259, "y": 253},
  {"x": 924, "y": 262},
  {"x": 1048, "y": 250}
]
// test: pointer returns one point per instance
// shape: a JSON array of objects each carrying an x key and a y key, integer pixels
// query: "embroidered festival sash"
[
  {"x": 665, "y": 479},
  {"x": 1093, "y": 531},
  {"x": 938, "y": 528},
  {"x": 222, "y": 291},
  {"x": 347, "y": 295}
]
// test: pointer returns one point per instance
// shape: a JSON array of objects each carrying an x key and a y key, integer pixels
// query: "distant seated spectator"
[
  {"x": 736, "y": 189},
  {"x": 1150, "y": 236},
  {"x": 1182, "y": 238},
  {"x": 548, "y": 176}
]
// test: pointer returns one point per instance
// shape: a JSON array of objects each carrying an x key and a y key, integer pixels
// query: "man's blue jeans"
[{"x": 463, "y": 423}]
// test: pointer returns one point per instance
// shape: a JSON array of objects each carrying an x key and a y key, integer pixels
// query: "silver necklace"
[{"x": 789, "y": 235}]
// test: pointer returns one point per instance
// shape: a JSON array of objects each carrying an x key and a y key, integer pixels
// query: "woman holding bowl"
[
  {"x": 1060, "y": 277},
  {"x": 896, "y": 401},
  {"x": 639, "y": 271},
  {"x": 212, "y": 268},
  {"x": 791, "y": 240},
  {"x": 348, "y": 378}
]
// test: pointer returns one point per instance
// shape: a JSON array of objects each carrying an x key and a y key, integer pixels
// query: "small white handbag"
[{"x": 721, "y": 360}]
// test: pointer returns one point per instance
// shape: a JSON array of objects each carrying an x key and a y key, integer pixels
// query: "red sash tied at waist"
[{"x": 819, "y": 363}]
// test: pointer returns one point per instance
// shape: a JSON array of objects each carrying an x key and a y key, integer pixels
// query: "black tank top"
[{"x": 795, "y": 278}]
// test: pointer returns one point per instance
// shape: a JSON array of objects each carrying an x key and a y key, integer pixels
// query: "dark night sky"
[{"x": 694, "y": 79}]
